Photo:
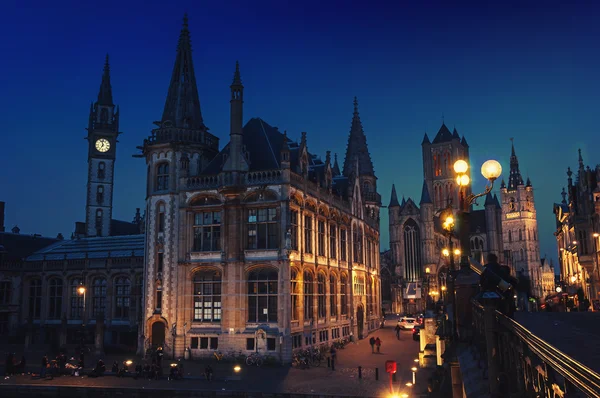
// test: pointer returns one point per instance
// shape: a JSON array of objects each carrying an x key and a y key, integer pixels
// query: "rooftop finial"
[
  {"x": 512, "y": 144},
  {"x": 237, "y": 79},
  {"x": 106, "y": 64},
  {"x": 185, "y": 21},
  {"x": 105, "y": 93},
  {"x": 580, "y": 158},
  {"x": 355, "y": 105}
]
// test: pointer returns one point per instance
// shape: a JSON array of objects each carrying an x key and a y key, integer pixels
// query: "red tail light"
[{"x": 414, "y": 330}]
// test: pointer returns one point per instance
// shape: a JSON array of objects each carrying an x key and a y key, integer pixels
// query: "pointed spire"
[
  {"x": 394, "y": 198},
  {"x": 455, "y": 134},
  {"x": 105, "y": 94},
  {"x": 443, "y": 135},
  {"x": 514, "y": 178},
  {"x": 580, "y": 159},
  {"x": 182, "y": 107},
  {"x": 425, "y": 198},
  {"x": 237, "y": 79},
  {"x": 564, "y": 196},
  {"x": 528, "y": 182},
  {"x": 285, "y": 146},
  {"x": 425, "y": 140},
  {"x": 357, "y": 147},
  {"x": 496, "y": 201},
  {"x": 463, "y": 141},
  {"x": 403, "y": 201},
  {"x": 336, "y": 167},
  {"x": 503, "y": 184}
]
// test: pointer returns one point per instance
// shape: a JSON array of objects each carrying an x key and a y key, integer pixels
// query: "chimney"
[{"x": 1, "y": 216}]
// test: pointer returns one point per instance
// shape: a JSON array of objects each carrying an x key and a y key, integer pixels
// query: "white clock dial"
[{"x": 102, "y": 145}]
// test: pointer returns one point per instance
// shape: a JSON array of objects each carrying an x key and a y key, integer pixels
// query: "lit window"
[
  {"x": 207, "y": 296},
  {"x": 207, "y": 231},
  {"x": 262, "y": 296},
  {"x": 263, "y": 229}
]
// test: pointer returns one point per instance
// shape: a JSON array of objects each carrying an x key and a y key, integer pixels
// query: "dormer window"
[{"x": 162, "y": 177}]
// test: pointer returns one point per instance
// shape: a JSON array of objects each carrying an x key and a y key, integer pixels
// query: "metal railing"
[{"x": 524, "y": 363}]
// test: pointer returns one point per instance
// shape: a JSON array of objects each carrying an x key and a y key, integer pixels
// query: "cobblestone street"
[{"x": 322, "y": 380}]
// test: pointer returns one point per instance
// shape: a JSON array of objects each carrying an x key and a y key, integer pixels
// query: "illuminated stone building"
[
  {"x": 548, "y": 278},
  {"x": 578, "y": 231},
  {"x": 258, "y": 245}
]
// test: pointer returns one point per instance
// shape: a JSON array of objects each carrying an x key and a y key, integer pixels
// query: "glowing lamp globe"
[
  {"x": 491, "y": 170},
  {"x": 461, "y": 167},
  {"x": 446, "y": 252},
  {"x": 81, "y": 290},
  {"x": 558, "y": 289},
  {"x": 457, "y": 252},
  {"x": 573, "y": 278},
  {"x": 427, "y": 270},
  {"x": 464, "y": 180}
]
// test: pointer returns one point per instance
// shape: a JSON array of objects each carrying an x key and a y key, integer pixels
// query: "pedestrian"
[
  {"x": 397, "y": 328},
  {"x": 378, "y": 345},
  {"x": 372, "y": 342},
  {"x": 44, "y": 366},
  {"x": 332, "y": 354},
  {"x": 208, "y": 373}
]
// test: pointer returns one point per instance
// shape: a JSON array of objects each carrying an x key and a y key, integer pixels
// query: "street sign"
[{"x": 390, "y": 366}]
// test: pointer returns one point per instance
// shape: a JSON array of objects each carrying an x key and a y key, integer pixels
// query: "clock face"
[{"x": 102, "y": 145}]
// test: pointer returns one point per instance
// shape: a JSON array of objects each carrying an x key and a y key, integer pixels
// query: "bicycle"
[{"x": 254, "y": 359}]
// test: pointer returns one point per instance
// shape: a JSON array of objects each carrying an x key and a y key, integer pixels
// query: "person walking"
[
  {"x": 378, "y": 345},
  {"x": 372, "y": 342},
  {"x": 397, "y": 328}
]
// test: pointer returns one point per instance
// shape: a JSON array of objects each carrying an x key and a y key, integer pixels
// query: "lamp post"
[
  {"x": 427, "y": 281},
  {"x": 81, "y": 291}
]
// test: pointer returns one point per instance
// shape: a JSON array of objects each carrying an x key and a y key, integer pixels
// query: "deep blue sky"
[{"x": 496, "y": 70}]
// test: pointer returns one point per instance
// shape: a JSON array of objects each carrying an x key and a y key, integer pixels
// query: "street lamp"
[{"x": 81, "y": 290}]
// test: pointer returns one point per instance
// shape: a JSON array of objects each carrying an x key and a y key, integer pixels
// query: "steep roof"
[
  {"x": 103, "y": 247},
  {"x": 443, "y": 135},
  {"x": 394, "y": 198},
  {"x": 425, "y": 198},
  {"x": 182, "y": 107},
  {"x": 18, "y": 246},
  {"x": 105, "y": 93},
  {"x": 357, "y": 148}
]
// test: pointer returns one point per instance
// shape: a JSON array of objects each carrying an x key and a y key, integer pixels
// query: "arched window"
[
  {"x": 295, "y": 295},
  {"x": 333, "y": 293},
  {"x": 161, "y": 217},
  {"x": 357, "y": 245},
  {"x": 35, "y": 298},
  {"x": 412, "y": 251},
  {"x": 99, "y": 222},
  {"x": 262, "y": 296},
  {"x": 207, "y": 296},
  {"x": 101, "y": 170},
  {"x": 122, "y": 297},
  {"x": 344, "y": 294},
  {"x": 55, "y": 295},
  {"x": 369, "y": 286},
  {"x": 447, "y": 169},
  {"x": 76, "y": 299},
  {"x": 509, "y": 237},
  {"x": 321, "y": 306},
  {"x": 100, "y": 194},
  {"x": 99, "y": 297},
  {"x": 309, "y": 291},
  {"x": 162, "y": 176}
]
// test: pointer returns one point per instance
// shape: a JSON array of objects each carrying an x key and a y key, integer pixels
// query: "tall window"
[
  {"x": 162, "y": 177},
  {"x": 321, "y": 295},
  {"x": 207, "y": 296},
  {"x": 308, "y": 234},
  {"x": 295, "y": 294},
  {"x": 263, "y": 229},
  {"x": 262, "y": 296},
  {"x": 99, "y": 222},
  {"x": 294, "y": 228},
  {"x": 76, "y": 299},
  {"x": 158, "y": 304},
  {"x": 583, "y": 242},
  {"x": 368, "y": 254},
  {"x": 160, "y": 261},
  {"x": 101, "y": 170},
  {"x": 99, "y": 297},
  {"x": 100, "y": 194},
  {"x": 412, "y": 251},
  {"x": 357, "y": 245},
  {"x": 332, "y": 295},
  {"x": 343, "y": 245},
  {"x": 55, "y": 294},
  {"x": 520, "y": 234},
  {"x": 309, "y": 291},
  {"x": 161, "y": 217},
  {"x": 509, "y": 237},
  {"x": 332, "y": 241},
  {"x": 321, "y": 238},
  {"x": 359, "y": 285},
  {"x": 5, "y": 288},
  {"x": 35, "y": 298},
  {"x": 343, "y": 294},
  {"x": 369, "y": 295},
  {"x": 122, "y": 298},
  {"x": 207, "y": 231}
]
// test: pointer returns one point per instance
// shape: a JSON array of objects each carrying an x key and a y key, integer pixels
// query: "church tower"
[
  {"x": 438, "y": 166},
  {"x": 519, "y": 224},
  {"x": 103, "y": 130}
]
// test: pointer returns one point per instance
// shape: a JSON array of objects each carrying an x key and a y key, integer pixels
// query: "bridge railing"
[{"x": 519, "y": 363}]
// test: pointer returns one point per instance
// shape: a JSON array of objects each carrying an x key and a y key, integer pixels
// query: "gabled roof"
[
  {"x": 443, "y": 135},
  {"x": 103, "y": 247}
]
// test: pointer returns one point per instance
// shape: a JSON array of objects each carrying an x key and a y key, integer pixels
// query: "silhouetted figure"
[
  {"x": 208, "y": 373},
  {"x": 491, "y": 277},
  {"x": 378, "y": 345},
  {"x": 115, "y": 367},
  {"x": 523, "y": 290},
  {"x": 44, "y": 366},
  {"x": 397, "y": 329}
]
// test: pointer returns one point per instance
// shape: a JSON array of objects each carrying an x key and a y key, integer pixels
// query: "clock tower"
[
  {"x": 103, "y": 130},
  {"x": 519, "y": 226}
]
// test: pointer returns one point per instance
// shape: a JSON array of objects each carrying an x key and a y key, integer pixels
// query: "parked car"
[
  {"x": 407, "y": 323},
  {"x": 416, "y": 333}
]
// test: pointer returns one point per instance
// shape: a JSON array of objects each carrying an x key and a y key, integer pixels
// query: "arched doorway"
[
  {"x": 360, "y": 320},
  {"x": 158, "y": 334}
]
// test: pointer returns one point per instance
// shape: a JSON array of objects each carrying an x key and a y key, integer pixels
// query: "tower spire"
[
  {"x": 105, "y": 93},
  {"x": 394, "y": 198},
  {"x": 236, "y": 160},
  {"x": 336, "y": 166},
  {"x": 515, "y": 179},
  {"x": 357, "y": 147},
  {"x": 182, "y": 107}
]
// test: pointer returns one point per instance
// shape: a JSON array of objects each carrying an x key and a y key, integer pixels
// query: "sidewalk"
[{"x": 322, "y": 380}]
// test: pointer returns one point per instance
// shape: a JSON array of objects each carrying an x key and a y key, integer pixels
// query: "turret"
[{"x": 236, "y": 160}]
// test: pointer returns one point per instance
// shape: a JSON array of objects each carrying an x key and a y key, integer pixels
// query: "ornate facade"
[
  {"x": 259, "y": 245},
  {"x": 578, "y": 231}
]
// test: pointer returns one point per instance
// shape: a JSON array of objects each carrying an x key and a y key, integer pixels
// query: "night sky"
[{"x": 495, "y": 70}]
